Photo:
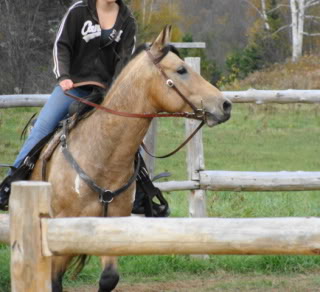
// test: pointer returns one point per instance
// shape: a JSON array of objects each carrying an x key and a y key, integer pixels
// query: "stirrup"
[
  {"x": 12, "y": 168},
  {"x": 144, "y": 202},
  {"x": 161, "y": 175}
]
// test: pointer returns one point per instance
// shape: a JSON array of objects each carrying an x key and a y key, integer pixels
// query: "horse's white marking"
[{"x": 77, "y": 185}]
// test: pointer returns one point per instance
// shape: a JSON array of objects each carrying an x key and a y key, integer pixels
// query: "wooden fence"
[
  {"x": 35, "y": 237},
  {"x": 199, "y": 179}
]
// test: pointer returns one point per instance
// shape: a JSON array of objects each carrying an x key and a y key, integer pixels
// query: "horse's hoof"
[
  {"x": 109, "y": 279},
  {"x": 57, "y": 284}
]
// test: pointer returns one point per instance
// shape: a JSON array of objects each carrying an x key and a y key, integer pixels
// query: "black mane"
[{"x": 168, "y": 48}]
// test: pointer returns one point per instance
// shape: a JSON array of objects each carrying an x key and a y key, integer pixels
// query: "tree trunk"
[
  {"x": 297, "y": 15},
  {"x": 264, "y": 15}
]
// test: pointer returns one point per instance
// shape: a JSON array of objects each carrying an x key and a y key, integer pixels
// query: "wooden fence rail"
[
  {"x": 137, "y": 236},
  {"x": 141, "y": 236},
  {"x": 248, "y": 96},
  {"x": 253, "y": 181},
  {"x": 35, "y": 238},
  {"x": 274, "y": 96}
]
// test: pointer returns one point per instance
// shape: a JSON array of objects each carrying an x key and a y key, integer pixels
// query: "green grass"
[
  {"x": 4, "y": 268},
  {"x": 257, "y": 138}
]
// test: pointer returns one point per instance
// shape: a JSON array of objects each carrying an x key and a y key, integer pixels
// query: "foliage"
[
  {"x": 4, "y": 268},
  {"x": 283, "y": 76},
  {"x": 151, "y": 18},
  {"x": 242, "y": 62},
  {"x": 26, "y": 44},
  {"x": 264, "y": 47},
  {"x": 273, "y": 44}
]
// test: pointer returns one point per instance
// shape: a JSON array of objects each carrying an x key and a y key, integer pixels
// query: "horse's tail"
[{"x": 77, "y": 264}]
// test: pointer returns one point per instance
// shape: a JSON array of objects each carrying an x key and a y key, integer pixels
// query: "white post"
[{"x": 195, "y": 161}]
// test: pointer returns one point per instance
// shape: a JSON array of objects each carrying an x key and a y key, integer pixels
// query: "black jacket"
[{"x": 78, "y": 54}]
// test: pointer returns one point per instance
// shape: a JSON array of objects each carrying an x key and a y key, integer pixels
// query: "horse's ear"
[{"x": 162, "y": 40}]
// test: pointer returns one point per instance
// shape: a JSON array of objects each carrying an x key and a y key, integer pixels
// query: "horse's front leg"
[
  {"x": 119, "y": 207},
  {"x": 109, "y": 277},
  {"x": 59, "y": 266}
]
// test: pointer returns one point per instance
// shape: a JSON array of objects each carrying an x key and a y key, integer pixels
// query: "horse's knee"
[{"x": 109, "y": 279}]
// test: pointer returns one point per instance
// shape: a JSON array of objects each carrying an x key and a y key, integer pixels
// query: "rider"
[{"x": 94, "y": 42}]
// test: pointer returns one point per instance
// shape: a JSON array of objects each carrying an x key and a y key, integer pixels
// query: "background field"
[{"x": 257, "y": 138}]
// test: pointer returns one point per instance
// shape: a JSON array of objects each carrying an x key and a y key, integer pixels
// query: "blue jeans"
[{"x": 55, "y": 109}]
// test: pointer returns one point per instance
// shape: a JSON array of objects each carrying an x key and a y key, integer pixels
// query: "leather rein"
[{"x": 197, "y": 114}]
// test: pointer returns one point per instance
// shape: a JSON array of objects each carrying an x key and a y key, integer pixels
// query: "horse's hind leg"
[
  {"x": 109, "y": 277},
  {"x": 59, "y": 266}
]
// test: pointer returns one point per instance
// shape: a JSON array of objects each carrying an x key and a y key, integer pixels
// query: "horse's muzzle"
[{"x": 214, "y": 118}]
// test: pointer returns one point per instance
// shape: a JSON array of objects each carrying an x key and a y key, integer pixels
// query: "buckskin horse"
[{"x": 104, "y": 145}]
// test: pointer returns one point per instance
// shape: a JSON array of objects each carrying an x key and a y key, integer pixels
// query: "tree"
[
  {"x": 266, "y": 35},
  {"x": 153, "y": 15},
  {"x": 299, "y": 15},
  {"x": 219, "y": 23},
  {"x": 26, "y": 40},
  {"x": 209, "y": 68},
  {"x": 262, "y": 12}
]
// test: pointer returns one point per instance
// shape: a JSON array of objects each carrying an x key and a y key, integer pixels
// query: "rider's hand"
[{"x": 66, "y": 84}]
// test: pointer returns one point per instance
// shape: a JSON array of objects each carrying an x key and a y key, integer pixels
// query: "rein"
[
  {"x": 177, "y": 149},
  {"x": 125, "y": 114},
  {"x": 197, "y": 114}
]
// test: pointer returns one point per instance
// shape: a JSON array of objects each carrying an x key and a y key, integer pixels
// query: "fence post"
[
  {"x": 195, "y": 161},
  {"x": 30, "y": 270},
  {"x": 195, "y": 158}
]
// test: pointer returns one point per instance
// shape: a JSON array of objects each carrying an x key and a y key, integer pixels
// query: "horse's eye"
[{"x": 182, "y": 70}]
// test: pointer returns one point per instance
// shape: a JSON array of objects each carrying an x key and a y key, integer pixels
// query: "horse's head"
[{"x": 176, "y": 87}]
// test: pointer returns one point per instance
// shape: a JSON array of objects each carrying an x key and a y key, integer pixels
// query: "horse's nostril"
[{"x": 227, "y": 105}]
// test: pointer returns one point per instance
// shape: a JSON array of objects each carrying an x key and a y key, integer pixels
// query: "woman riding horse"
[
  {"x": 104, "y": 145},
  {"x": 94, "y": 42}
]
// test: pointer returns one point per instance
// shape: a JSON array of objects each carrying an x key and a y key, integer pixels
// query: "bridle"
[
  {"x": 197, "y": 114},
  {"x": 106, "y": 196}
]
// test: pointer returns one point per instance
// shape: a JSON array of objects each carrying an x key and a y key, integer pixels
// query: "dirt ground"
[{"x": 229, "y": 283}]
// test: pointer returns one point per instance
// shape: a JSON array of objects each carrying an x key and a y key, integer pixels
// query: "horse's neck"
[{"x": 117, "y": 138}]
